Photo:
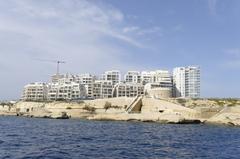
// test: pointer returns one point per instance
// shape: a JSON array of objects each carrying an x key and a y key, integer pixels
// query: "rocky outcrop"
[
  {"x": 228, "y": 116},
  {"x": 140, "y": 109},
  {"x": 153, "y": 110}
]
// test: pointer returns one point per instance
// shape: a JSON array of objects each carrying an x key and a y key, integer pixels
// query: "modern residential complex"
[{"x": 185, "y": 82}]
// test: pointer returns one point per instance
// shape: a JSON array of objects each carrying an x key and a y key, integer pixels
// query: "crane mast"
[
  {"x": 54, "y": 61},
  {"x": 58, "y": 67}
]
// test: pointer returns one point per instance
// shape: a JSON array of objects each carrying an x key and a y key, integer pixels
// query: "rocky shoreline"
[{"x": 127, "y": 109}]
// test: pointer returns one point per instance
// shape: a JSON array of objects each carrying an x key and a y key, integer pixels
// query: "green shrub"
[
  {"x": 80, "y": 102},
  {"x": 181, "y": 101},
  {"x": 107, "y": 105},
  {"x": 89, "y": 108},
  {"x": 6, "y": 103}
]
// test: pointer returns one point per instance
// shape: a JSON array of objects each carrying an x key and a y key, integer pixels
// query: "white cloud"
[
  {"x": 153, "y": 30},
  {"x": 130, "y": 29},
  {"x": 157, "y": 31},
  {"x": 233, "y": 51},
  {"x": 212, "y": 6},
  {"x": 77, "y": 31}
]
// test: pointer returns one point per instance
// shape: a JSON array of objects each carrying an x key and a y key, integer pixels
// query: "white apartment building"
[
  {"x": 35, "y": 92},
  {"x": 132, "y": 77},
  {"x": 102, "y": 89},
  {"x": 52, "y": 91},
  {"x": 56, "y": 77},
  {"x": 67, "y": 89},
  {"x": 147, "y": 77},
  {"x": 163, "y": 78},
  {"x": 87, "y": 80},
  {"x": 159, "y": 76},
  {"x": 186, "y": 82},
  {"x": 128, "y": 90},
  {"x": 113, "y": 76}
]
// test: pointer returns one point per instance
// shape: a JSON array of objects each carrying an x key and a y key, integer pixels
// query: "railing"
[{"x": 130, "y": 107}]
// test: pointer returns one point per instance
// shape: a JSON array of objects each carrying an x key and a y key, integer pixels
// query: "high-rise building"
[{"x": 186, "y": 82}]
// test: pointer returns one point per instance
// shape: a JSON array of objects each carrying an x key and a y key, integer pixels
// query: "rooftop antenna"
[{"x": 53, "y": 61}]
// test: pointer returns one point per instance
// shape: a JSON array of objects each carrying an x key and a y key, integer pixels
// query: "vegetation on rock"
[{"x": 89, "y": 108}]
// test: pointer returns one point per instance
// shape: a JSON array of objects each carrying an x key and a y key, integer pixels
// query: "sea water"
[{"x": 55, "y": 139}]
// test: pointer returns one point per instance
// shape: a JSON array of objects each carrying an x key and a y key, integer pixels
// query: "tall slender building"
[{"x": 186, "y": 82}]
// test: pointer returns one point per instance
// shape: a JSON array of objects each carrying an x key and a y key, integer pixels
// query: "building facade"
[
  {"x": 66, "y": 89},
  {"x": 128, "y": 90},
  {"x": 132, "y": 77},
  {"x": 102, "y": 89},
  {"x": 87, "y": 80},
  {"x": 186, "y": 81},
  {"x": 35, "y": 92},
  {"x": 147, "y": 77},
  {"x": 113, "y": 76},
  {"x": 56, "y": 77}
]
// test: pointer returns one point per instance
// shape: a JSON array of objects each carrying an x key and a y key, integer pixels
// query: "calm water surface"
[{"x": 45, "y": 138}]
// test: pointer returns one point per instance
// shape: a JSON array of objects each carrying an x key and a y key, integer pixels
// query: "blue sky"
[{"x": 98, "y": 35}]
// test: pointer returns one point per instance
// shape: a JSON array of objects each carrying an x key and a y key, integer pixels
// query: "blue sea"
[{"x": 23, "y": 138}]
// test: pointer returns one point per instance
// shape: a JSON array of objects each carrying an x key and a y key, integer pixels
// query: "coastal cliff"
[{"x": 128, "y": 109}]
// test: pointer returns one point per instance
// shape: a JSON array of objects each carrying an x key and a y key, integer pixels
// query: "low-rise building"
[
  {"x": 157, "y": 90},
  {"x": 35, "y": 92},
  {"x": 113, "y": 76},
  {"x": 52, "y": 91},
  {"x": 56, "y": 77},
  {"x": 132, "y": 77},
  {"x": 87, "y": 80},
  {"x": 128, "y": 90},
  {"x": 102, "y": 89},
  {"x": 66, "y": 89},
  {"x": 147, "y": 77}
]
